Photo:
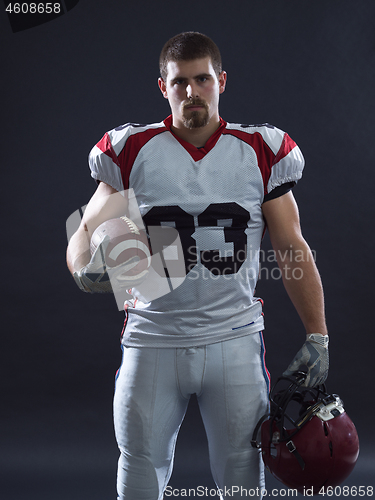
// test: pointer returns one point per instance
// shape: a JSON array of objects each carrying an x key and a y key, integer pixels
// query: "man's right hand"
[{"x": 94, "y": 278}]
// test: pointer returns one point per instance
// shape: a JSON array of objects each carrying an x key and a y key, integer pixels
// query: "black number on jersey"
[
  {"x": 183, "y": 222},
  {"x": 230, "y": 216},
  {"x": 235, "y": 233}
]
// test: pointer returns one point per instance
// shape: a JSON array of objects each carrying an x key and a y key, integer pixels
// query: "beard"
[{"x": 195, "y": 119}]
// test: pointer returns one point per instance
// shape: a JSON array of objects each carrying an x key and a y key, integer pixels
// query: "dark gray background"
[{"x": 304, "y": 66}]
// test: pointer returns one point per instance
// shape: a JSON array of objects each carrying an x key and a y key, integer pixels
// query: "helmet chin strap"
[{"x": 291, "y": 447}]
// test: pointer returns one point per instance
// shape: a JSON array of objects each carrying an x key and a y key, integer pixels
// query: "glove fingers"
[
  {"x": 300, "y": 359},
  {"x": 97, "y": 261},
  {"x": 314, "y": 356},
  {"x": 293, "y": 367}
]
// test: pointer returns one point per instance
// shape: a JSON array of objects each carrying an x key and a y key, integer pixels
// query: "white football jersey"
[{"x": 201, "y": 288}]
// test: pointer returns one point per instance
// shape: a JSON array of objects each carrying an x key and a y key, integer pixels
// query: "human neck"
[{"x": 196, "y": 136}]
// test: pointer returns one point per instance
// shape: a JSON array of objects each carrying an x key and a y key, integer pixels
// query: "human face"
[{"x": 192, "y": 89}]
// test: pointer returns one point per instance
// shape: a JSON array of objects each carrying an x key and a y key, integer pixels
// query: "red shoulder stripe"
[
  {"x": 105, "y": 145},
  {"x": 265, "y": 156},
  {"x": 131, "y": 149},
  {"x": 286, "y": 147}
]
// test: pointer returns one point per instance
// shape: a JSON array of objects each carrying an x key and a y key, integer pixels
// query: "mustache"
[{"x": 195, "y": 102}]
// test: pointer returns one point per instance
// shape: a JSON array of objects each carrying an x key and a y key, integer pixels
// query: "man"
[{"x": 218, "y": 185}]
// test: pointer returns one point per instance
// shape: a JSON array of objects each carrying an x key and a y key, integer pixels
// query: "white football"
[{"x": 128, "y": 247}]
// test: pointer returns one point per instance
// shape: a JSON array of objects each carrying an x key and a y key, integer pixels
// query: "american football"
[{"x": 128, "y": 247}]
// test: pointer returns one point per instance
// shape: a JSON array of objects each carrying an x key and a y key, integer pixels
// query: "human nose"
[{"x": 191, "y": 91}]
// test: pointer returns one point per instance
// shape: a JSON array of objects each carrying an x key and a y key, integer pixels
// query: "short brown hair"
[{"x": 186, "y": 47}]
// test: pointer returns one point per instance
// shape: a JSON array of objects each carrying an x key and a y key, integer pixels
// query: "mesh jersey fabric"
[{"x": 213, "y": 197}]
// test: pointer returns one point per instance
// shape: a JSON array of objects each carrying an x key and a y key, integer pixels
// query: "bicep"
[
  {"x": 106, "y": 203},
  {"x": 282, "y": 220}
]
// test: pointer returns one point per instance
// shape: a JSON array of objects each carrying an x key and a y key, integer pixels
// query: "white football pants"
[{"x": 153, "y": 388}]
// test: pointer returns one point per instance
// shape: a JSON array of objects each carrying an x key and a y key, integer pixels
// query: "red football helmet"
[{"x": 316, "y": 448}]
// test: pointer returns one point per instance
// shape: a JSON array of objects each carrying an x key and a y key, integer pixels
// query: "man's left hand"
[{"x": 313, "y": 355}]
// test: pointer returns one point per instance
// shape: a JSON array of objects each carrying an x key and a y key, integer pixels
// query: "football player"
[{"x": 219, "y": 185}]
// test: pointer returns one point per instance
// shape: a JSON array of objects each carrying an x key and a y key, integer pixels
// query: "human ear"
[
  {"x": 163, "y": 88},
  {"x": 222, "y": 81}
]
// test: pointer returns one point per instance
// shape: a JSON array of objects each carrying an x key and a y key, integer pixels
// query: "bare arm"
[
  {"x": 106, "y": 203},
  {"x": 300, "y": 275}
]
